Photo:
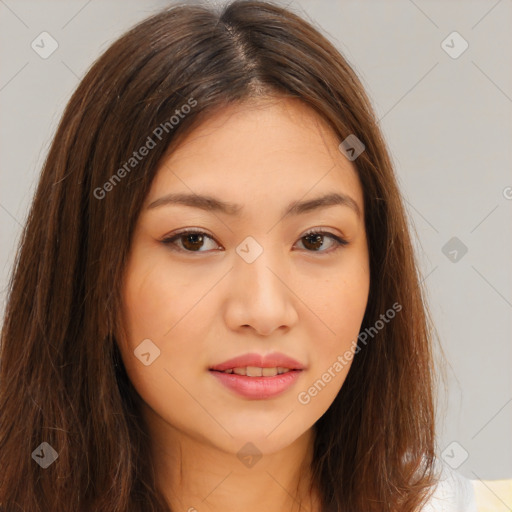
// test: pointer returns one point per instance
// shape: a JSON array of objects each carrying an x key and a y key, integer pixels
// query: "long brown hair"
[{"x": 62, "y": 380}]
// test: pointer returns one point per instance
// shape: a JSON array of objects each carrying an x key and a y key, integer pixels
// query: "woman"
[{"x": 286, "y": 367}]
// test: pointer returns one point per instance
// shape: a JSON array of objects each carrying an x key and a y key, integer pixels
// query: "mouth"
[
  {"x": 258, "y": 377},
  {"x": 257, "y": 383}
]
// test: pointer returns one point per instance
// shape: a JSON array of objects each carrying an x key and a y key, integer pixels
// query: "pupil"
[
  {"x": 315, "y": 240},
  {"x": 195, "y": 243}
]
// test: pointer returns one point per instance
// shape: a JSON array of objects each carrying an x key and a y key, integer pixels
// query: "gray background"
[{"x": 448, "y": 125}]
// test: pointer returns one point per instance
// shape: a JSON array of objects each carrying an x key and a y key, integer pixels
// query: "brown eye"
[
  {"x": 314, "y": 241},
  {"x": 191, "y": 241}
]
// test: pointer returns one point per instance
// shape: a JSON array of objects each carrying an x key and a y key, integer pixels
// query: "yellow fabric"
[{"x": 493, "y": 495}]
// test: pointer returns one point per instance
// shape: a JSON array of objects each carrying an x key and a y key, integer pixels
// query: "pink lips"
[{"x": 258, "y": 387}]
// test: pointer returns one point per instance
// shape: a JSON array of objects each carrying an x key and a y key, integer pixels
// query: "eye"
[
  {"x": 191, "y": 240},
  {"x": 314, "y": 239}
]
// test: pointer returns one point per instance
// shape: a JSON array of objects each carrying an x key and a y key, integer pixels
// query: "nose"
[{"x": 260, "y": 294}]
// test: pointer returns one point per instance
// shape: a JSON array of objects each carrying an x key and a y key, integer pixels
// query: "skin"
[{"x": 202, "y": 308}]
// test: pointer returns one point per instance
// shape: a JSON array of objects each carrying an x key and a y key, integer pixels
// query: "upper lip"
[{"x": 272, "y": 360}]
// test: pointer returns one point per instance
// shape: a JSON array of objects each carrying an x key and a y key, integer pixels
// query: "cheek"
[
  {"x": 158, "y": 299},
  {"x": 337, "y": 307},
  {"x": 337, "y": 301},
  {"x": 171, "y": 307},
  {"x": 158, "y": 311}
]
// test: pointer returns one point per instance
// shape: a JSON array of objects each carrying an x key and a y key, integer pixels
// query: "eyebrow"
[{"x": 209, "y": 203}]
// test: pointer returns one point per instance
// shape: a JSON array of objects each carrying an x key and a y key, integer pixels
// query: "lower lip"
[{"x": 258, "y": 387}]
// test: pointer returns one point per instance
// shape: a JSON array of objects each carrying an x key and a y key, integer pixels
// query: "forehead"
[{"x": 264, "y": 149}]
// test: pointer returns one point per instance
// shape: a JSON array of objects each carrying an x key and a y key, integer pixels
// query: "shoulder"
[{"x": 453, "y": 492}]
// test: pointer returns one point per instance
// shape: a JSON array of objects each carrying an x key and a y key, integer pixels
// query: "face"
[{"x": 247, "y": 279}]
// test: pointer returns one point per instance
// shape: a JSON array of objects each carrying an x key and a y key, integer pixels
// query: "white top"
[{"x": 454, "y": 493}]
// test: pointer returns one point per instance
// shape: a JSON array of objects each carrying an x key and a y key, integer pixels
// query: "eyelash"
[{"x": 169, "y": 240}]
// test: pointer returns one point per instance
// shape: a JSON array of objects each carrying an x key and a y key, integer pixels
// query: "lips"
[
  {"x": 272, "y": 360},
  {"x": 257, "y": 377},
  {"x": 257, "y": 388}
]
